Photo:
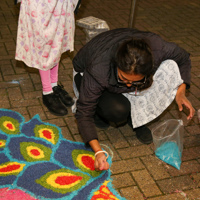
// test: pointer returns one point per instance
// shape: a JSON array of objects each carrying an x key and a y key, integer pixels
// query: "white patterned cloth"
[
  {"x": 150, "y": 103},
  {"x": 45, "y": 31}
]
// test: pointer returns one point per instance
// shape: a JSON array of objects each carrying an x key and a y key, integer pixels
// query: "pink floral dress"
[{"x": 45, "y": 31}]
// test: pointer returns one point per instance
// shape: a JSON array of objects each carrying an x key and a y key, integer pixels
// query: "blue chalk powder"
[{"x": 169, "y": 153}]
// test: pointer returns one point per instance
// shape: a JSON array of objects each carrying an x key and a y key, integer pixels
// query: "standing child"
[{"x": 45, "y": 31}]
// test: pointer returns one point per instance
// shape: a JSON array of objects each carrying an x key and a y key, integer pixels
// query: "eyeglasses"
[{"x": 133, "y": 83}]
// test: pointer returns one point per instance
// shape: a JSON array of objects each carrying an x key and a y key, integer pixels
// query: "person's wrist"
[
  {"x": 100, "y": 155},
  {"x": 182, "y": 88},
  {"x": 97, "y": 150},
  {"x": 100, "y": 152}
]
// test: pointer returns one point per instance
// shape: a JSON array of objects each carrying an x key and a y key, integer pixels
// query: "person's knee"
[{"x": 118, "y": 112}]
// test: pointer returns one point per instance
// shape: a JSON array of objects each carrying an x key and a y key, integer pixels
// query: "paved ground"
[{"x": 137, "y": 173}]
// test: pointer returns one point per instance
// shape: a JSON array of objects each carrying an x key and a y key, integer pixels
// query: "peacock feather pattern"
[{"x": 36, "y": 160}]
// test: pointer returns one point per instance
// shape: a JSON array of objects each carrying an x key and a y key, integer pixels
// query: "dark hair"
[{"x": 134, "y": 57}]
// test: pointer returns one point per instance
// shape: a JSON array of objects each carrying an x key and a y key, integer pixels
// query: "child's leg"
[
  {"x": 50, "y": 99},
  {"x": 46, "y": 81},
  {"x": 54, "y": 76},
  {"x": 59, "y": 89}
]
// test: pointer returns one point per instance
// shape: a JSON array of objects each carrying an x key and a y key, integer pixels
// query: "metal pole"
[{"x": 133, "y": 3}]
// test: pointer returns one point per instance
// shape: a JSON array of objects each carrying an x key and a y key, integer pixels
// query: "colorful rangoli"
[{"x": 37, "y": 163}]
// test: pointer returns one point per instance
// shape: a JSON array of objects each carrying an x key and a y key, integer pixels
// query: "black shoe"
[
  {"x": 100, "y": 123},
  {"x": 54, "y": 104},
  {"x": 144, "y": 135},
  {"x": 63, "y": 95}
]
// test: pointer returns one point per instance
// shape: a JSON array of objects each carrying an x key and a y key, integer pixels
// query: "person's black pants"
[{"x": 111, "y": 107}]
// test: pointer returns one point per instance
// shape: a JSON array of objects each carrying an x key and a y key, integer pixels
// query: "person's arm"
[
  {"x": 163, "y": 50},
  {"x": 168, "y": 50},
  {"x": 181, "y": 100},
  {"x": 181, "y": 57},
  {"x": 90, "y": 91}
]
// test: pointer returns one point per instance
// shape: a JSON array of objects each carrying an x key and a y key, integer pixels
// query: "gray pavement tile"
[{"x": 176, "y": 183}]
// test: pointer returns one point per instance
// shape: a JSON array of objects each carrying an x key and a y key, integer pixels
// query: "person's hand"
[
  {"x": 181, "y": 100},
  {"x": 101, "y": 162}
]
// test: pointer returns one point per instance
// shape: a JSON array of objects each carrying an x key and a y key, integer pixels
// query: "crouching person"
[{"x": 127, "y": 75}]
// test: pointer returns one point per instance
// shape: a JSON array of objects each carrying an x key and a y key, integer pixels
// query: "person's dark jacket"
[{"x": 95, "y": 59}]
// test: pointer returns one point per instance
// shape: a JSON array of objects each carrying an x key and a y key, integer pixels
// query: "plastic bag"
[{"x": 168, "y": 141}]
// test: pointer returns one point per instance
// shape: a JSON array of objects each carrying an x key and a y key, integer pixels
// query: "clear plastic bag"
[{"x": 168, "y": 141}]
